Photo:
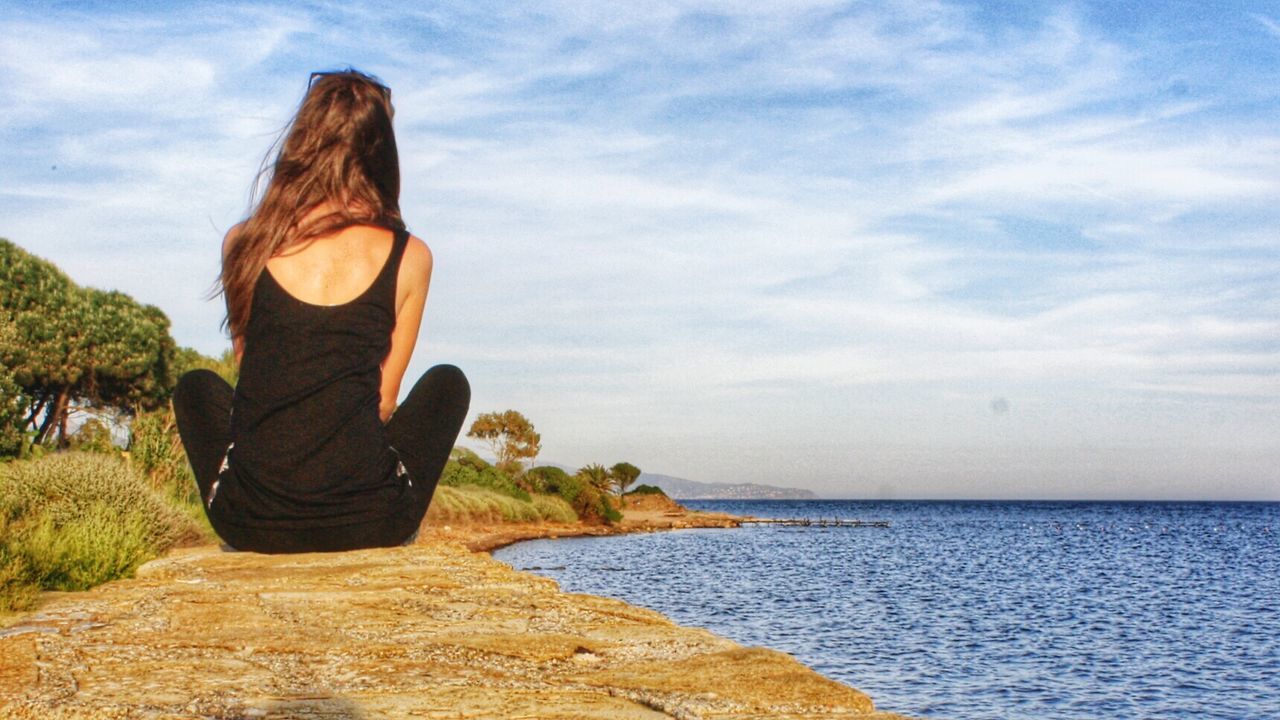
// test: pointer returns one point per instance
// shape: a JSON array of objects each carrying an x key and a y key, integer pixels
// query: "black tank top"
[{"x": 308, "y": 446}]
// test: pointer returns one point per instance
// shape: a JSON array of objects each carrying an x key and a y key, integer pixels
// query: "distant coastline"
[
  {"x": 679, "y": 488},
  {"x": 682, "y": 489}
]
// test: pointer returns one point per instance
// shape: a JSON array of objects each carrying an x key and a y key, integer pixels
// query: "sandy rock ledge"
[{"x": 428, "y": 631}]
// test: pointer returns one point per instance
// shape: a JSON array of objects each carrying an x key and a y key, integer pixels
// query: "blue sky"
[{"x": 915, "y": 249}]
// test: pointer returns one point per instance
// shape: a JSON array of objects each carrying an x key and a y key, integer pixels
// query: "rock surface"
[
  {"x": 432, "y": 630},
  {"x": 652, "y": 502}
]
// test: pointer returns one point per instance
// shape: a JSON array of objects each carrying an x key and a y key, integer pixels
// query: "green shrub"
[
  {"x": 495, "y": 479},
  {"x": 554, "y": 509},
  {"x": 460, "y": 473},
  {"x": 467, "y": 458},
  {"x": 647, "y": 490},
  {"x": 97, "y": 547},
  {"x": 455, "y": 474},
  {"x": 545, "y": 478},
  {"x": 66, "y": 485},
  {"x": 18, "y": 587},
  {"x": 69, "y": 521},
  {"x": 514, "y": 510},
  {"x": 586, "y": 500},
  {"x": 588, "y": 503},
  {"x": 156, "y": 450}
]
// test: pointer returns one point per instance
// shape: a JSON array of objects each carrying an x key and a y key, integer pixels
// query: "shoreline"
[
  {"x": 487, "y": 537},
  {"x": 437, "y": 629}
]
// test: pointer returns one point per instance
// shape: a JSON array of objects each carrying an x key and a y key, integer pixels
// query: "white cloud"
[
  {"x": 1271, "y": 26},
  {"x": 666, "y": 223}
]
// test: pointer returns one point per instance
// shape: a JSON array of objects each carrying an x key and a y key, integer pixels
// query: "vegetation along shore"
[{"x": 116, "y": 600}]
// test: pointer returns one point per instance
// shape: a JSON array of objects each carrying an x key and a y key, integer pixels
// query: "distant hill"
[{"x": 682, "y": 489}]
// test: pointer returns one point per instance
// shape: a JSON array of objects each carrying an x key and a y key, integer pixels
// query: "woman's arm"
[{"x": 411, "y": 296}]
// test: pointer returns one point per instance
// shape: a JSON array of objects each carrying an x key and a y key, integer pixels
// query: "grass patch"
[
  {"x": 156, "y": 450},
  {"x": 476, "y": 504},
  {"x": 554, "y": 509},
  {"x": 70, "y": 521}
]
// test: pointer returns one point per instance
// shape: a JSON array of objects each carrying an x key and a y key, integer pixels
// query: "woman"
[{"x": 324, "y": 290}]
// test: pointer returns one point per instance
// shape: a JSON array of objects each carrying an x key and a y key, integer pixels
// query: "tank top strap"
[{"x": 391, "y": 269}]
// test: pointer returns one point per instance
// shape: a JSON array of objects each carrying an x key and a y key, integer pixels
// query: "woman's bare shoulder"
[{"x": 417, "y": 262}]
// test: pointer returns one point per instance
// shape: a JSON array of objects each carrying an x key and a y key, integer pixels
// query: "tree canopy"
[
  {"x": 597, "y": 475},
  {"x": 65, "y": 347},
  {"x": 12, "y": 400},
  {"x": 510, "y": 435},
  {"x": 624, "y": 474}
]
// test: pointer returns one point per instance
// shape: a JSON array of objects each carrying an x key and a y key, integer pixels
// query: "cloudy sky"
[{"x": 880, "y": 249}]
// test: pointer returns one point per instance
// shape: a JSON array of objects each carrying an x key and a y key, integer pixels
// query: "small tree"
[
  {"x": 511, "y": 437},
  {"x": 624, "y": 474},
  {"x": 68, "y": 349},
  {"x": 597, "y": 476}
]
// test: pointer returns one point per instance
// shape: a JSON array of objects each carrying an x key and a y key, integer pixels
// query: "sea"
[{"x": 973, "y": 610}]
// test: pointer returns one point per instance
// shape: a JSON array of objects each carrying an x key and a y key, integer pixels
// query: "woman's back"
[
  {"x": 333, "y": 269},
  {"x": 309, "y": 446}
]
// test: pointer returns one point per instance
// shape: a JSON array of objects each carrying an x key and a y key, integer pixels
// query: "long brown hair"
[{"x": 339, "y": 149}]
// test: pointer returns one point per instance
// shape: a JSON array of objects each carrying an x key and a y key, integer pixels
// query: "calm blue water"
[{"x": 968, "y": 610}]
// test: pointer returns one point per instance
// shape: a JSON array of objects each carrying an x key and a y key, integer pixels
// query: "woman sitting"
[{"x": 324, "y": 290}]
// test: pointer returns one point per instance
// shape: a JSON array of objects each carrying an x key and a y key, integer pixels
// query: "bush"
[
  {"x": 455, "y": 474},
  {"x": 459, "y": 473},
  {"x": 554, "y": 509},
  {"x": 545, "y": 478},
  {"x": 590, "y": 505},
  {"x": 495, "y": 479},
  {"x": 73, "y": 520},
  {"x": 647, "y": 490},
  {"x": 156, "y": 450},
  {"x": 97, "y": 547},
  {"x": 18, "y": 588},
  {"x": 467, "y": 458}
]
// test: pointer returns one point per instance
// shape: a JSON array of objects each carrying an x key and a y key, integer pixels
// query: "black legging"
[{"x": 422, "y": 430}]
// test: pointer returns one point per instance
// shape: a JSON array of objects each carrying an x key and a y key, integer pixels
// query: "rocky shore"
[{"x": 432, "y": 630}]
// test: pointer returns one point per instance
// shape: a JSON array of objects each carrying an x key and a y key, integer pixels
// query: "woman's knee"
[
  {"x": 197, "y": 383},
  {"x": 450, "y": 375},
  {"x": 199, "y": 391},
  {"x": 445, "y": 384},
  {"x": 439, "y": 399}
]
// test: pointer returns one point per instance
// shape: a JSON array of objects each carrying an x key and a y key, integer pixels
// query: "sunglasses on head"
[{"x": 386, "y": 91}]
